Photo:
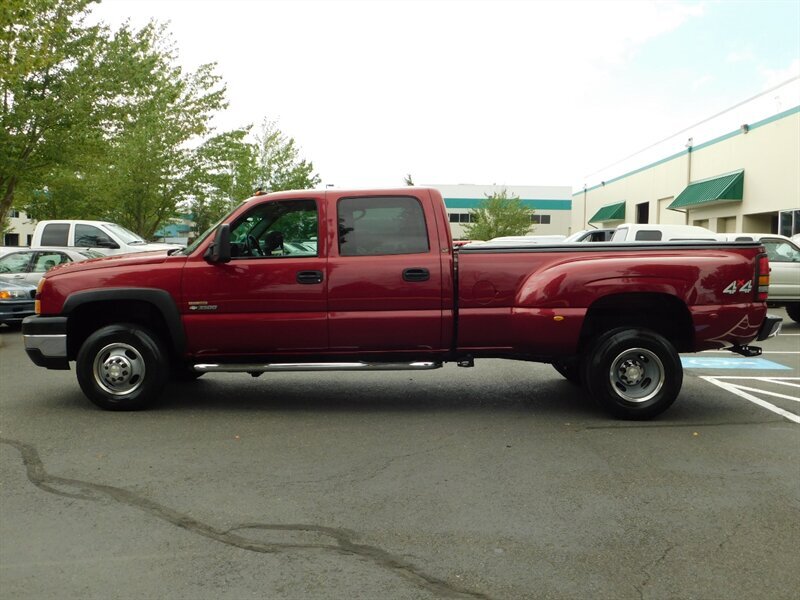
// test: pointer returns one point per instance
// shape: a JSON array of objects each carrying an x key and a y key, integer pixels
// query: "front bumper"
[
  {"x": 769, "y": 327},
  {"x": 46, "y": 341}
]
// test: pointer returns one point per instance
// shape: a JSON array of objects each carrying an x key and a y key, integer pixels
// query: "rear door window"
[
  {"x": 55, "y": 234},
  {"x": 371, "y": 226},
  {"x": 47, "y": 260}
]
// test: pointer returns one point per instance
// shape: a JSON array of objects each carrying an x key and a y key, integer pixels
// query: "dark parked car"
[{"x": 16, "y": 301}]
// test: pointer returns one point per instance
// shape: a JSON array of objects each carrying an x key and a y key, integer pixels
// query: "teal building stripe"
[
  {"x": 539, "y": 204},
  {"x": 722, "y": 138}
]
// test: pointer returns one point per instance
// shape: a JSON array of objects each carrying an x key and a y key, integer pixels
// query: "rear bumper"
[
  {"x": 46, "y": 341},
  {"x": 769, "y": 327}
]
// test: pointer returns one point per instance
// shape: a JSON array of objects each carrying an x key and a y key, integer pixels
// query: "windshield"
[
  {"x": 125, "y": 235},
  {"x": 193, "y": 246}
]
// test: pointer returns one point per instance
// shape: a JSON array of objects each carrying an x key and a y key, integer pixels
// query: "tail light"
[{"x": 762, "y": 277}]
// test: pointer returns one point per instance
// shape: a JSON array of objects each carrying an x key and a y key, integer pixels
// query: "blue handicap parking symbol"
[{"x": 733, "y": 362}]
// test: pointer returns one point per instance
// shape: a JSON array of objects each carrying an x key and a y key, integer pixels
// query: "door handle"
[
  {"x": 309, "y": 277},
  {"x": 416, "y": 274}
]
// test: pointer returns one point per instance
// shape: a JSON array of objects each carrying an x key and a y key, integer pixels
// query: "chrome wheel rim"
[
  {"x": 637, "y": 375},
  {"x": 119, "y": 369}
]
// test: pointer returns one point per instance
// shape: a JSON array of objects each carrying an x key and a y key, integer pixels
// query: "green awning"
[
  {"x": 725, "y": 188},
  {"x": 612, "y": 212}
]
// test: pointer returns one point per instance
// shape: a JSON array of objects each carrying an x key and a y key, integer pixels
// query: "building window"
[
  {"x": 643, "y": 212},
  {"x": 11, "y": 239},
  {"x": 540, "y": 219},
  {"x": 13, "y": 214},
  {"x": 789, "y": 222}
]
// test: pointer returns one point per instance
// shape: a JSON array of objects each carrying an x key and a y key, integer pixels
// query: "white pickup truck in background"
[
  {"x": 653, "y": 232},
  {"x": 106, "y": 238}
]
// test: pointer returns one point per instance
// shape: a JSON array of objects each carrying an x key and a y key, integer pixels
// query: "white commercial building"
[
  {"x": 743, "y": 178},
  {"x": 20, "y": 229},
  {"x": 551, "y": 205}
]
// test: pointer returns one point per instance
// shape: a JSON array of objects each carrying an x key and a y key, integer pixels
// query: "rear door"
[
  {"x": 271, "y": 297},
  {"x": 384, "y": 274}
]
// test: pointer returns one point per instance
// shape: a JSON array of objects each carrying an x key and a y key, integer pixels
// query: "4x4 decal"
[{"x": 739, "y": 285}]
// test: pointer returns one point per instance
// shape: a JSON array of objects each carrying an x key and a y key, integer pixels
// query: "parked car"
[
  {"x": 16, "y": 301},
  {"x": 106, "y": 238},
  {"x": 30, "y": 265},
  {"x": 589, "y": 235},
  {"x": 784, "y": 262}
]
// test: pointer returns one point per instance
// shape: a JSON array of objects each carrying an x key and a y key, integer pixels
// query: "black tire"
[
  {"x": 122, "y": 367},
  {"x": 793, "y": 310},
  {"x": 569, "y": 368},
  {"x": 633, "y": 374}
]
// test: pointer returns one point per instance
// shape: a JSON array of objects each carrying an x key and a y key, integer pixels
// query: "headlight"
[{"x": 13, "y": 294}]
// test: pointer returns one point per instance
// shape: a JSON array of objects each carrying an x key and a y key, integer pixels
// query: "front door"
[{"x": 271, "y": 297}]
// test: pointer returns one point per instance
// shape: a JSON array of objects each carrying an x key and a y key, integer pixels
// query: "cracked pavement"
[{"x": 494, "y": 482}]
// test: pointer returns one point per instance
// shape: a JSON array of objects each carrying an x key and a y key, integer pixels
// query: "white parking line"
[{"x": 742, "y": 392}]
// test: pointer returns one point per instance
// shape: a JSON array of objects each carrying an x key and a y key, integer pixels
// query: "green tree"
[
  {"x": 150, "y": 163},
  {"x": 55, "y": 88},
  {"x": 224, "y": 174},
  {"x": 499, "y": 215},
  {"x": 278, "y": 165},
  {"x": 101, "y": 124},
  {"x": 229, "y": 169}
]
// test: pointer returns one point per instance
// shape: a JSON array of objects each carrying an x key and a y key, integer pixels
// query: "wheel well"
[
  {"x": 91, "y": 316},
  {"x": 662, "y": 313}
]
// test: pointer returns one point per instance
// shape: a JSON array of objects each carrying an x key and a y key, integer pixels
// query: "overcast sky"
[{"x": 515, "y": 93}]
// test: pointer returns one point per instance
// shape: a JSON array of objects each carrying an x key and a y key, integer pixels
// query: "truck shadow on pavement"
[{"x": 553, "y": 398}]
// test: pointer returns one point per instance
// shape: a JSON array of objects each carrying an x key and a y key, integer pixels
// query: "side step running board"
[{"x": 288, "y": 367}]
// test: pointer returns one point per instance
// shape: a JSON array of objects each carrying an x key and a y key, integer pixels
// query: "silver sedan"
[{"x": 30, "y": 265}]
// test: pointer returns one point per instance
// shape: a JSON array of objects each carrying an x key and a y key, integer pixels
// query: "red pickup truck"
[{"x": 369, "y": 280}]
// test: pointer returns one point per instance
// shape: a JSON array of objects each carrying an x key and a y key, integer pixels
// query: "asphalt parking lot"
[{"x": 500, "y": 481}]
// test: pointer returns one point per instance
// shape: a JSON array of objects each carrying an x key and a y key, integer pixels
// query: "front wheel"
[
  {"x": 121, "y": 367},
  {"x": 633, "y": 374}
]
